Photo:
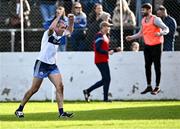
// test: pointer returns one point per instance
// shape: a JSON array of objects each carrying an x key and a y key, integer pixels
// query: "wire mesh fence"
[{"x": 37, "y": 13}]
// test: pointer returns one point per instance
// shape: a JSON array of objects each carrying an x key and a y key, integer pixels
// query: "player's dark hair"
[{"x": 147, "y": 6}]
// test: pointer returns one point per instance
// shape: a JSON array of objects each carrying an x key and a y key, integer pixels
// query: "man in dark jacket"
[{"x": 170, "y": 22}]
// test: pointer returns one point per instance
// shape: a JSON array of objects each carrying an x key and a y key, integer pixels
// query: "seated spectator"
[
  {"x": 173, "y": 7},
  {"x": 60, "y": 11},
  {"x": 109, "y": 5},
  {"x": 105, "y": 17},
  {"x": 14, "y": 20},
  {"x": 67, "y": 4},
  {"x": 95, "y": 13},
  {"x": 170, "y": 22},
  {"x": 129, "y": 19},
  {"x": 129, "y": 23},
  {"x": 93, "y": 28},
  {"x": 135, "y": 46},
  {"x": 80, "y": 22},
  {"x": 47, "y": 8},
  {"x": 88, "y": 4}
]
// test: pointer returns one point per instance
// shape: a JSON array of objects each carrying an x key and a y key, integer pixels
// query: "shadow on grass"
[{"x": 134, "y": 113}]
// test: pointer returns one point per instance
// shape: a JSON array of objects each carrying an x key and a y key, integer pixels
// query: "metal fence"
[{"x": 10, "y": 36}]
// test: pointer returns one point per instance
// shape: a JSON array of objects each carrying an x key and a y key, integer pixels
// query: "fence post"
[
  {"x": 22, "y": 27},
  {"x": 12, "y": 40}
]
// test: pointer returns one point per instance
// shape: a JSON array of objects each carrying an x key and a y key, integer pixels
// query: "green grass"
[{"x": 94, "y": 115}]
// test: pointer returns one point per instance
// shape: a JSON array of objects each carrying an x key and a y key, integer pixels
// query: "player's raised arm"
[{"x": 53, "y": 25}]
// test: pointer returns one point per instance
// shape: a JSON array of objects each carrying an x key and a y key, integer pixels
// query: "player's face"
[
  {"x": 60, "y": 28},
  {"x": 144, "y": 12}
]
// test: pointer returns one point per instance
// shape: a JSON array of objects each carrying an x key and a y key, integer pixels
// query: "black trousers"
[
  {"x": 105, "y": 81},
  {"x": 152, "y": 54}
]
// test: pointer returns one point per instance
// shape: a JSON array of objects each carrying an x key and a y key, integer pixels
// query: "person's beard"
[{"x": 144, "y": 14}]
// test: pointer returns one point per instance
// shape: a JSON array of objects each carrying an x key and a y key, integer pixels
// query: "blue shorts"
[{"x": 42, "y": 70}]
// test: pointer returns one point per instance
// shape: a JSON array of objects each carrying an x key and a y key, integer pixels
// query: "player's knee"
[
  {"x": 35, "y": 90},
  {"x": 32, "y": 91},
  {"x": 60, "y": 88}
]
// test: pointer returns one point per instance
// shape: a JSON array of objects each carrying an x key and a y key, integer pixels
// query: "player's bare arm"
[
  {"x": 135, "y": 36},
  {"x": 53, "y": 25}
]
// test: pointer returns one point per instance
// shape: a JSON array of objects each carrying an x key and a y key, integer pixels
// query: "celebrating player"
[{"x": 45, "y": 65}]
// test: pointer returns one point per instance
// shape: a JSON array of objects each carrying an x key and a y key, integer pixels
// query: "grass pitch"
[{"x": 94, "y": 115}]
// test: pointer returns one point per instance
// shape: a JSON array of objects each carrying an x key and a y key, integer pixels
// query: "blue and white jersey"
[{"x": 50, "y": 46}]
